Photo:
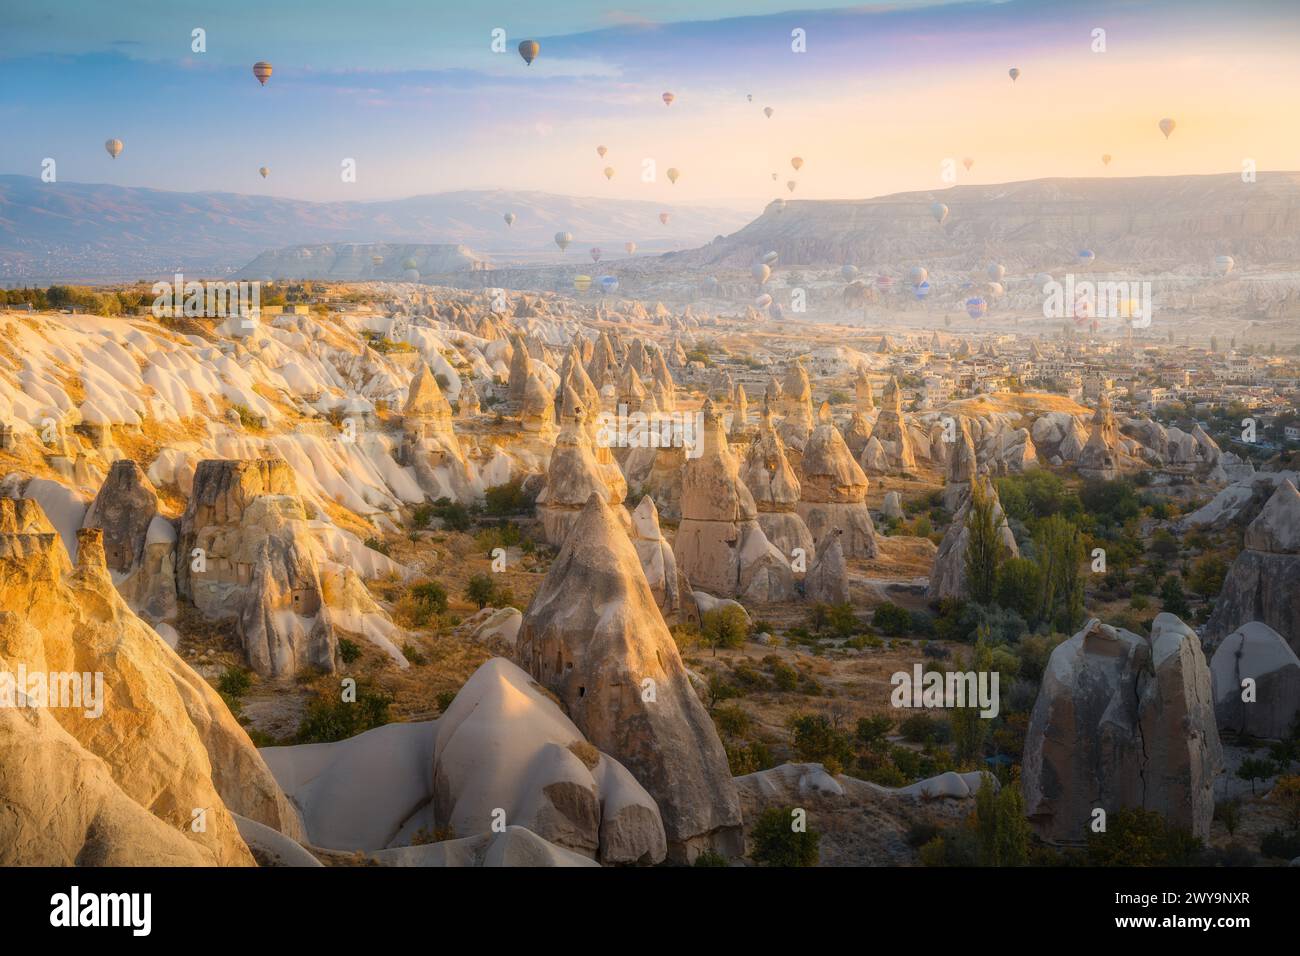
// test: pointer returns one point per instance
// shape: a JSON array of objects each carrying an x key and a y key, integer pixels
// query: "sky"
[{"x": 882, "y": 96}]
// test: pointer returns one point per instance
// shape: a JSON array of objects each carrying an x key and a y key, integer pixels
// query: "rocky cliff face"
[
  {"x": 1263, "y": 583},
  {"x": 123, "y": 782},
  {"x": 594, "y": 636},
  {"x": 1122, "y": 721},
  {"x": 356, "y": 262}
]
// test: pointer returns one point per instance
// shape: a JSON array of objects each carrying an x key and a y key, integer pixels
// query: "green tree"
[
  {"x": 724, "y": 626},
  {"x": 815, "y": 738},
  {"x": 1172, "y": 596},
  {"x": 1000, "y": 823},
  {"x": 481, "y": 590},
  {"x": 984, "y": 548},
  {"x": 777, "y": 842},
  {"x": 1019, "y": 587},
  {"x": 1141, "y": 838},
  {"x": 1060, "y": 551},
  {"x": 969, "y": 729}
]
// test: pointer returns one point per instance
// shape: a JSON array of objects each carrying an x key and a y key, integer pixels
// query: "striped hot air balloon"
[{"x": 262, "y": 70}]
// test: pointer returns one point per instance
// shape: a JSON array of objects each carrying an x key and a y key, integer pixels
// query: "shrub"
[
  {"x": 1139, "y": 837},
  {"x": 378, "y": 544},
  {"x": 784, "y": 676},
  {"x": 481, "y": 590},
  {"x": 430, "y": 595},
  {"x": 891, "y": 619},
  {"x": 724, "y": 626},
  {"x": 815, "y": 739},
  {"x": 349, "y": 650},
  {"x": 444, "y": 699},
  {"x": 329, "y": 720},
  {"x": 920, "y": 728},
  {"x": 731, "y": 721},
  {"x": 235, "y": 682},
  {"x": 710, "y": 858},
  {"x": 777, "y": 843},
  {"x": 1280, "y": 845},
  {"x": 508, "y": 499}
]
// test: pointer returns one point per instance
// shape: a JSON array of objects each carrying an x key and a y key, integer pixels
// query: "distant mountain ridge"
[
  {"x": 359, "y": 262},
  {"x": 95, "y": 232},
  {"x": 1169, "y": 222}
]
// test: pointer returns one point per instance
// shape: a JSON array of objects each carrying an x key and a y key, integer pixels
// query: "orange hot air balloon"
[
  {"x": 114, "y": 147},
  {"x": 264, "y": 171},
  {"x": 630, "y": 247},
  {"x": 968, "y": 163},
  {"x": 768, "y": 111},
  {"x": 262, "y": 70},
  {"x": 797, "y": 163},
  {"x": 1105, "y": 159},
  {"x": 790, "y": 185},
  {"x": 601, "y": 151},
  {"x": 1167, "y": 126},
  {"x": 673, "y": 174},
  {"x": 609, "y": 172},
  {"x": 529, "y": 50},
  {"x": 668, "y": 99},
  {"x": 664, "y": 217}
]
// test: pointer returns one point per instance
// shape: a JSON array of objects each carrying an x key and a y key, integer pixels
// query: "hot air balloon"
[
  {"x": 790, "y": 185},
  {"x": 761, "y": 272},
  {"x": 664, "y": 217},
  {"x": 262, "y": 70},
  {"x": 918, "y": 274},
  {"x": 377, "y": 260},
  {"x": 849, "y": 272},
  {"x": 996, "y": 271},
  {"x": 668, "y": 99},
  {"x": 1167, "y": 126},
  {"x": 1223, "y": 264},
  {"x": 996, "y": 290},
  {"x": 884, "y": 282},
  {"x": 940, "y": 212},
  {"x": 582, "y": 283},
  {"x": 673, "y": 174},
  {"x": 510, "y": 219},
  {"x": 609, "y": 172},
  {"x": 114, "y": 147},
  {"x": 768, "y": 111},
  {"x": 968, "y": 163},
  {"x": 750, "y": 97},
  {"x": 264, "y": 171},
  {"x": 1105, "y": 159},
  {"x": 601, "y": 151},
  {"x": 562, "y": 239},
  {"x": 921, "y": 290},
  {"x": 608, "y": 284},
  {"x": 769, "y": 258},
  {"x": 976, "y": 307},
  {"x": 595, "y": 254},
  {"x": 1086, "y": 256},
  {"x": 629, "y": 247},
  {"x": 775, "y": 177},
  {"x": 763, "y": 301},
  {"x": 529, "y": 50},
  {"x": 410, "y": 263},
  {"x": 797, "y": 163},
  {"x": 1014, "y": 73}
]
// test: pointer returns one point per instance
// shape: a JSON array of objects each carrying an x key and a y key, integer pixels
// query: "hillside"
[
  {"x": 95, "y": 232},
  {"x": 1173, "y": 222},
  {"x": 351, "y": 262}
]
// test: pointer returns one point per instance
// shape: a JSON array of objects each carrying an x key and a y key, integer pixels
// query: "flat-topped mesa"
[
  {"x": 1122, "y": 721},
  {"x": 1263, "y": 583},
  {"x": 249, "y": 554},
  {"x": 139, "y": 543},
  {"x": 833, "y": 497},
  {"x": 948, "y": 575},
  {"x": 574, "y": 474},
  {"x": 771, "y": 480},
  {"x": 594, "y": 636},
  {"x": 719, "y": 543},
  {"x": 891, "y": 441}
]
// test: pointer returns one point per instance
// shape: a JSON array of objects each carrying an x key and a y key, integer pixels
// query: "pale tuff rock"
[
  {"x": 574, "y": 375},
  {"x": 857, "y": 434},
  {"x": 139, "y": 543},
  {"x": 834, "y": 494},
  {"x": 719, "y": 544},
  {"x": 863, "y": 393},
  {"x": 827, "y": 580},
  {"x": 514, "y": 847},
  {"x": 740, "y": 411},
  {"x": 1104, "y": 457},
  {"x": 892, "y": 506},
  {"x": 468, "y": 405},
  {"x": 164, "y": 737},
  {"x": 1240, "y": 502},
  {"x": 429, "y": 442},
  {"x": 891, "y": 433},
  {"x": 1258, "y": 653},
  {"x": 948, "y": 576},
  {"x": 669, "y": 586},
  {"x": 1008, "y": 451},
  {"x": 963, "y": 468},
  {"x": 603, "y": 368},
  {"x": 537, "y": 410},
  {"x": 574, "y": 475},
  {"x": 543, "y": 774},
  {"x": 23, "y": 516},
  {"x": 772, "y": 482},
  {"x": 1263, "y": 583},
  {"x": 677, "y": 354},
  {"x": 594, "y": 636},
  {"x": 663, "y": 386},
  {"x": 796, "y": 411},
  {"x": 631, "y": 392},
  {"x": 521, "y": 364},
  {"x": 1122, "y": 721},
  {"x": 1059, "y": 435}
]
